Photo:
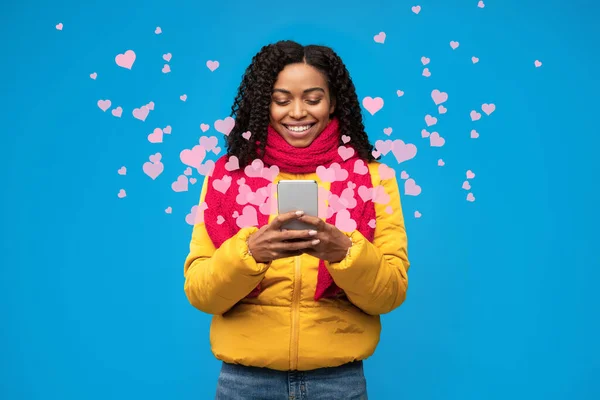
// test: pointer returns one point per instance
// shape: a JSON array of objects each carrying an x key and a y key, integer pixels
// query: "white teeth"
[{"x": 299, "y": 128}]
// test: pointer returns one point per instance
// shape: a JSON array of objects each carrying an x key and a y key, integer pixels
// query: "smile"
[{"x": 298, "y": 131}]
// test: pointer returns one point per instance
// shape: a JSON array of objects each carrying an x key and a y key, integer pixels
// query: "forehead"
[{"x": 299, "y": 77}]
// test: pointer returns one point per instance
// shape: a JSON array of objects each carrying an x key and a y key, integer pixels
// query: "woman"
[{"x": 296, "y": 312}]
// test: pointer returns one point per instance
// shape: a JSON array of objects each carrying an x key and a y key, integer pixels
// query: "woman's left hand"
[{"x": 333, "y": 245}]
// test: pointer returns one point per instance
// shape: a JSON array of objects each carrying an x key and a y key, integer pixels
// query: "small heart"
[
  {"x": 59, "y": 26},
  {"x": 169, "y": 210},
  {"x": 246, "y": 135},
  {"x": 166, "y": 69},
  {"x": 435, "y": 140},
  {"x": 150, "y": 106},
  {"x": 416, "y": 9},
  {"x": 417, "y": 214},
  {"x": 167, "y": 129},
  {"x": 454, "y": 45},
  {"x": 212, "y": 65},
  {"x": 183, "y": 97},
  {"x": 474, "y": 60},
  {"x": 470, "y": 197},
  {"x": 426, "y": 73},
  {"x": 193, "y": 181},
  {"x": 475, "y": 115},
  {"x": 399, "y": 93},
  {"x": 158, "y": 30},
  {"x": 387, "y": 131},
  {"x": 167, "y": 57},
  {"x": 480, "y": 4},
  {"x": 429, "y": 120},
  {"x": 122, "y": 171},
  {"x": 117, "y": 112},
  {"x": 345, "y": 152},
  {"x": 537, "y": 63},
  {"x": 188, "y": 171},
  {"x": 425, "y": 60},
  {"x": 345, "y": 139},
  {"x": 442, "y": 109},
  {"x": 379, "y": 38},
  {"x": 404, "y": 175},
  {"x": 121, "y": 193},
  {"x": 488, "y": 108},
  {"x": 466, "y": 185},
  {"x": 204, "y": 127},
  {"x": 470, "y": 174},
  {"x": 220, "y": 219},
  {"x": 474, "y": 134},
  {"x": 372, "y": 223},
  {"x": 441, "y": 163},
  {"x": 93, "y": 75},
  {"x": 156, "y": 136},
  {"x": 424, "y": 133},
  {"x": 235, "y": 214}
]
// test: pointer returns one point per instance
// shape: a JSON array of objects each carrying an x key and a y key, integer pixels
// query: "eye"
[
  {"x": 280, "y": 102},
  {"x": 313, "y": 102}
]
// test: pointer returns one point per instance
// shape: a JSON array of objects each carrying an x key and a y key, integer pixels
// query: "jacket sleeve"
[
  {"x": 216, "y": 279},
  {"x": 374, "y": 275}
]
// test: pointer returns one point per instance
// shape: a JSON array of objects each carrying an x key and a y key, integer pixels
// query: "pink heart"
[
  {"x": 156, "y": 136},
  {"x": 248, "y": 218},
  {"x": 466, "y": 185},
  {"x": 117, "y": 112},
  {"x": 365, "y": 193},
  {"x": 154, "y": 158},
  {"x": 122, "y": 171},
  {"x": 424, "y": 133},
  {"x": 232, "y": 164},
  {"x": 59, "y": 26},
  {"x": 404, "y": 175},
  {"x": 235, "y": 214},
  {"x": 207, "y": 168},
  {"x": 167, "y": 129},
  {"x": 425, "y": 60},
  {"x": 150, "y": 106},
  {"x": 158, "y": 31},
  {"x": 126, "y": 59},
  {"x": 429, "y": 120},
  {"x": 480, "y": 4},
  {"x": 222, "y": 185},
  {"x": 167, "y": 57},
  {"x": 488, "y": 108},
  {"x": 384, "y": 147},
  {"x": 332, "y": 174},
  {"x": 475, "y": 115},
  {"x": 372, "y": 104},
  {"x": 188, "y": 171},
  {"x": 442, "y": 109},
  {"x": 360, "y": 168},
  {"x": 121, "y": 193},
  {"x": 224, "y": 125},
  {"x": 246, "y": 135},
  {"x": 470, "y": 174},
  {"x": 209, "y": 142},
  {"x": 379, "y": 38},
  {"x": 254, "y": 170},
  {"x": 379, "y": 195},
  {"x": 399, "y": 93},
  {"x": 474, "y": 134},
  {"x": 403, "y": 151},
  {"x": 417, "y": 214},
  {"x": 104, "y": 104},
  {"x": 183, "y": 97},
  {"x": 196, "y": 215},
  {"x": 470, "y": 197},
  {"x": 169, "y": 210},
  {"x": 212, "y": 65},
  {"x": 416, "y": 9},
  {"x": 426, "y": 73},
  {"x": 435, "y": 140},
  {"x": 181, "y": 184},
  {"x": 454, "y": 45},
  {"x": 474, "y": 60},
  {"x": 270, "y": 173},
  {"x": 166, "y": 69},
  {"x": 537, "y": 63},
  {"x": 220, "y": 219},
  {"x": 386, "y": 172},
  {"x": 141, "y": 113},
  {"x": 193, "y": 157},
  {"x": 441, "y": 163},
  {"x": 345, "y": 152},
  {"x": 204, "y": 127},
  {"x": 439, "y": 97},
  {"x": 93, "y": 75},
  {"x": 375, "y": 153},
  {"x": 372, "y": 223},
  {"x": 387, "y": 131},
  {"x": 345, "y": 139},
  {"x": 217, "y": 150},
  {"x": 153, "y": 169},
  {"x": 411, "y": 188},
  {"x": 343, "y": 221}
]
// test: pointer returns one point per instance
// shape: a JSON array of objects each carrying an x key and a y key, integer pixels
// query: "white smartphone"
[{"x": 295, "y": 195}]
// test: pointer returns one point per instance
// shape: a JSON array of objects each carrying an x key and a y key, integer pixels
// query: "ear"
[{"x": 332, "y": 106}]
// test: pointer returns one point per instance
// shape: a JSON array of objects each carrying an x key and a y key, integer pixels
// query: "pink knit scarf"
[{"x": 237, "y": 198}]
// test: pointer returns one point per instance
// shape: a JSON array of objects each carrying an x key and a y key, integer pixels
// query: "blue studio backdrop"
[{"x": 501, "y": 300}]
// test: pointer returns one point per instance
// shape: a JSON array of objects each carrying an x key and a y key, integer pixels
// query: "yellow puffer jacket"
[{"x": 284, "y": 328}]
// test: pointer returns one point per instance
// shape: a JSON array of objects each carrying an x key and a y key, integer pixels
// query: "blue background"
[{"x": 501, "y": 300}]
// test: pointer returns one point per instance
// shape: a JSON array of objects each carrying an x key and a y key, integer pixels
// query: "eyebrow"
[{"x": 313, "y": 89}]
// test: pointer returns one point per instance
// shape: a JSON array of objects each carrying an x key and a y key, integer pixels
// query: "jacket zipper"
[{"x": 295, "y": 315}]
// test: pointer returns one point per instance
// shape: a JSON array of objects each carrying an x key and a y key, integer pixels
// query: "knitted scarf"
[{"x": 238, "y": 198}]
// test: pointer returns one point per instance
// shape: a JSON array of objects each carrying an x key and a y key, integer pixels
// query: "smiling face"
[{"x": 300, "y": 104}]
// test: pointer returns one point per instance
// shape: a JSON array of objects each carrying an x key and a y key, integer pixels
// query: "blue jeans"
[{"x": 237, "y": 382}]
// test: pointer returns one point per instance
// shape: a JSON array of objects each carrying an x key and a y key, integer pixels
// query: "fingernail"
[
  {"x": 316, "y": 241},
  {"x": 312, "y": 233},
  {"x": 299, "y": 213}
]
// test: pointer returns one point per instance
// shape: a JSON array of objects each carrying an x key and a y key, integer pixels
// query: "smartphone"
[{"x": 298, "y": 194}]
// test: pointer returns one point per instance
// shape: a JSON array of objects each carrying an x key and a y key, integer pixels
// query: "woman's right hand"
[{"x": 270, "y": 242}]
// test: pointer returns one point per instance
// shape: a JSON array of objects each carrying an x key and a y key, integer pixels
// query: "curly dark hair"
[{"x": 250, "y": 108}]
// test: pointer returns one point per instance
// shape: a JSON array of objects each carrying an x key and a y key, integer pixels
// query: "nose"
[{"x": 297, "y": 110}]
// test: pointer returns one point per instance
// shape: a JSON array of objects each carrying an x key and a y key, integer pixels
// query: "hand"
[
  {"x": 270, "y": 243},
  {"x": 334, "y": 244}
]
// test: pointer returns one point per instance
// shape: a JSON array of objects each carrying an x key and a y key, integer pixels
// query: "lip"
[{"x": 299, "y": 134}]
